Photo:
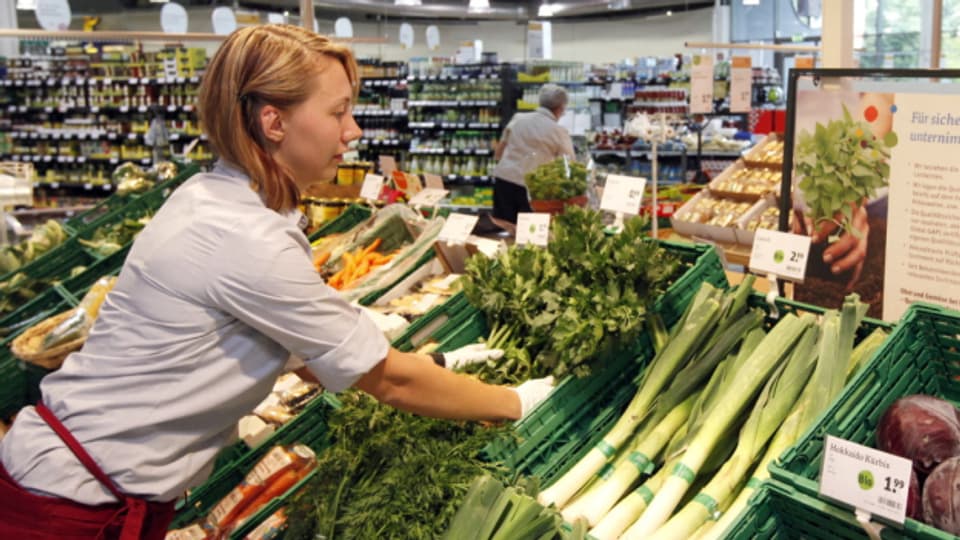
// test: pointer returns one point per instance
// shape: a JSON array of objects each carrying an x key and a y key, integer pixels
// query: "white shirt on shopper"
[
  {"x": 216, "y": 293},
  {"x": 532, "y": 139}
]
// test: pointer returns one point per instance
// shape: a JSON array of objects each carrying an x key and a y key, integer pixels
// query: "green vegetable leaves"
[
  {"x": 557, "y": 180},
  {"x": 841, "y": 164},
  {"x": 576, "y": 300}
]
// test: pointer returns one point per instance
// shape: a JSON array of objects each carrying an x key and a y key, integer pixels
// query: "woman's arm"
[
  {"x": 414, "y": 383},
  {"x": 500, "y": 146}
]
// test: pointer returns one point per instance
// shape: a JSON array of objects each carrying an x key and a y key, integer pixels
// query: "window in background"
[{"x": 888, "y": 33}]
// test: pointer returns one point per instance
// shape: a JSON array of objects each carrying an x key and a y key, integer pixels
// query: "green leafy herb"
[
  {"x": 557, "y": 180},
  {"x": 842, "y": 165}
]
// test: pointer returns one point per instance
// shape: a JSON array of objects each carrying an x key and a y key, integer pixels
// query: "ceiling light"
[
  {"x": 547, "y": 10},
  {"x": 479, "y": 5},
  {"x": 669, "y": 13},
  {"x": 406, "y": 2},
  {"x": 27, "y": 4},
  {"x": 159, "y": 1}
]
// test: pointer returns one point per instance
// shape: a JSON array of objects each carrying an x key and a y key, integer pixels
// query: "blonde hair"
[{"x": 262, "y": 65}]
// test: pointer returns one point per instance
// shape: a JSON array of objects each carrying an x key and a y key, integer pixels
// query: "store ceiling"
[{"x": 444, "y": 9}]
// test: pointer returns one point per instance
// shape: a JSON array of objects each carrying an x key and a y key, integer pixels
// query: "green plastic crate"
[
  {"x": 921, "y": 356},
  {"x": 90, "y": 218},
  {"x": 579, "y": 412},
  {"x": 350, "y": 218},
  {"x": 778, "y": 512},
  {"x": 13, "y": 383},
  {"x": 309, "y": 428},
  {"x": 436, "y": 322}
]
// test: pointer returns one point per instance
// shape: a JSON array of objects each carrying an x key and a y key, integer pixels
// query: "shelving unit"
[{"x": 76, "y": 115}]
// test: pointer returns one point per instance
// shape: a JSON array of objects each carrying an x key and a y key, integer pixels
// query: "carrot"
[
  {"x": 373, "y": 246},
  {"x": 276, "y": 488},
  {"x": 321, "y": 259}
]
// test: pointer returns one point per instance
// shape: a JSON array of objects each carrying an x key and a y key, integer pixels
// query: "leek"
[
  {"x": 699, "y": 320},
  {"x": 776, "y": 400},
  {"x": 629, "y": 509},
  {"x": 749, "y": 377},
  {"x": 597, "y": 502}
]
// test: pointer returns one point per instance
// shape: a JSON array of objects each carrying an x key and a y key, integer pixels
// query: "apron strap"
[{"x": 135, "y": 508}]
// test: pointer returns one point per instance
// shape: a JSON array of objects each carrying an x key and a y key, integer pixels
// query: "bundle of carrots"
[{"x": 357, "y": 265}]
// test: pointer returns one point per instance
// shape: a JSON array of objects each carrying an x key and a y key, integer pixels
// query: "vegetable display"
[
  {"x": 110, "y": 239},
  {"x": 926, "y": 430},
  {"x": 586, "y": 294},
  {"x": 717, "y": 403},
  {"x": 43, "y": 238},
  {"x": 561, "y": 178},
  {"x": 356, "y": 264}
]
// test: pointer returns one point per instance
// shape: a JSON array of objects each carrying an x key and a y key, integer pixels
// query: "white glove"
[
  {"x": 471, "y": 354},
  {"x": 532, "y": 393}
]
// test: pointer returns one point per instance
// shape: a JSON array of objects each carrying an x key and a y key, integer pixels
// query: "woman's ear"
[{"x": 271, "y": 123}]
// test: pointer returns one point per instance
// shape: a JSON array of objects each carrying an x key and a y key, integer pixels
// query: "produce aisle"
[{"x": 689, "y": 399}]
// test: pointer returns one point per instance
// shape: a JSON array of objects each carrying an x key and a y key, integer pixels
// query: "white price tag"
[
  {"x": 741, "y": 84},
  {"x": 457, "y": 228},
  {"x": 780, "y": 253},
  {"x": 701, "y": 84},
  {"x": 428, "y": 197},
  {"x": 433, "y": 180},
  {"x": 372, "y": 186},
  {"x": 387, "y": 165},
  {"x": 623, "y": 194},
  {"x": 533, "y": 228},
  {"x": 865, "y": 478}
]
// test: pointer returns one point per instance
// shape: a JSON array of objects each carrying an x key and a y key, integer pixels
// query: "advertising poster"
[{"x": 877, "y": 188}]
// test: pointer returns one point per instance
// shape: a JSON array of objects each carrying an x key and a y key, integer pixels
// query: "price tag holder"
[
  {"x": 701, "y": 84},
  {"x": 457, "y": 228},
  {"x": 372, "y": 186},
  {"x": 865, "y": 478},
  {"x": 741, "y": 84},
  {"x": 623, "y": 194},
  {"x": 428, "y": 197},
  {"x": 533, "y": 228},
  {"x": 779, "y": 253}
]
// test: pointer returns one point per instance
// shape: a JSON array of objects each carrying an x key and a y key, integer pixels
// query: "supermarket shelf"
[
  {"x": 74, "y": 185},
  {"x": 38, "y": 158},
  {"x": 611, "y": 98},
  {"x": 452, "y": 152},
  {"x": 454, "y": 125},
  {"x": 41, "y": 212},
  {"x": 382, "y": 142},
  {"x": 382, "y": 81},
  {"x": 454, "y": 103},
  {"x": 379, "y": 112},
  {"x": 466, "y": 208},
  {"x": 122, "y": 109},
  {"x": 455, "y": 78},
  {"x": 95, "y": 81}
]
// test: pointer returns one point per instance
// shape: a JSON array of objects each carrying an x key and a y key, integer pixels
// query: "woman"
[
  {"x": 216, "y": 293},
  {"x": 529, "y": 140}
]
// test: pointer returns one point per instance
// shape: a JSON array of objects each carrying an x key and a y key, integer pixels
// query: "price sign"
[
  {"x": 701, "y": 84},
  {"x": 623, "y": 194},
  {"x": 780, "y": 253},
  {"x": 387, "y": 165},
  {"x": 372, "y": 186},
  {"x": 865, "y": 478},
  {"x": 741, "y": 84},
  {"x": 433, "y": 181},
  {"x": 428, "y": 197},
  {"x": 533, "y": 228},
  {"x": 457, "y": 228}
]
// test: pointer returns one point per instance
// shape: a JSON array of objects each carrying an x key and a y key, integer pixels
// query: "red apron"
[{"x": 24, "y": 515}]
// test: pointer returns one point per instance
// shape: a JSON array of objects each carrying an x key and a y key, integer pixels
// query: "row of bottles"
[
  {"x": 462, "y": 91},
  {"x": 118, "y": 94},
  {"x": 458, "y": 140},
  {"x": 447, "y": 165},
  {"x": 381, "y": 128},
  {"x": 104, "y": 125},
  {"x": 483, "y": 115}
]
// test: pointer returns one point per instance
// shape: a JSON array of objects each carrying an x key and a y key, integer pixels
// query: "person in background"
[
  {"x": 216, "y": 293},
  {"x": 529, "y": 140}
]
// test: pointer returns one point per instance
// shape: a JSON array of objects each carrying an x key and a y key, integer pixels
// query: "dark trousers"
[{"x": 509, "y": 199}]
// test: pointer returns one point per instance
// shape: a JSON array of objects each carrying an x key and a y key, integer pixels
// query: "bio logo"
[
  {"x": 778, "y": 256},
  {"x": 865, "y": 479}
]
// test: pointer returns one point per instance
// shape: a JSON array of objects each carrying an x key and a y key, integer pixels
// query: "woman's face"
[{"x": 316, "y": 132}]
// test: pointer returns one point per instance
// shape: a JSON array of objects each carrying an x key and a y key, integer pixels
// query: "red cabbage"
[
  {"x": 923, "y": 429},
  {"x": 941, "y": 497}
]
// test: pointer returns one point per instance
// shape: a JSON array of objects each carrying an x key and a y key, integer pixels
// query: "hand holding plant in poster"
[{"x": 842, "y": 165}]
